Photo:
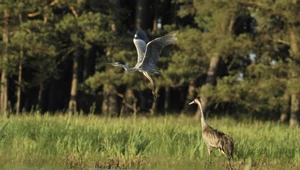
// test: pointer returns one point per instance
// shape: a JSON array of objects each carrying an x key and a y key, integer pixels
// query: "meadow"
[{"x": 164, "y": 142}]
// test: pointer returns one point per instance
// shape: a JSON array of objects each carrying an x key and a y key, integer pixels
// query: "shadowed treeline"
[{"x": 239, "y": 57}]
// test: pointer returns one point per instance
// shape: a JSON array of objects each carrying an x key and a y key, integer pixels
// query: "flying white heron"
[{"x": 148, "y": 54}]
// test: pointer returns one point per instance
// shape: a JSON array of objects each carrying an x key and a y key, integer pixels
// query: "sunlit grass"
[{"x": 166, "y": 142}]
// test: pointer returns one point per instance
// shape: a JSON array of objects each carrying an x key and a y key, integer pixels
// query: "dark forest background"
[{"x": 240, "y": 57}]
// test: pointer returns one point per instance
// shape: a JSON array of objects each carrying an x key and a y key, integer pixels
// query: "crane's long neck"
[{"x": 203, "y": 122}]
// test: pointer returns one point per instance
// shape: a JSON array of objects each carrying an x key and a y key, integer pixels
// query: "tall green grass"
[{"x": 167, "y": 142}]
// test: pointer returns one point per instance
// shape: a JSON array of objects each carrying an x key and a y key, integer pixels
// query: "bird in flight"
[{"x": 148, "y": 54}]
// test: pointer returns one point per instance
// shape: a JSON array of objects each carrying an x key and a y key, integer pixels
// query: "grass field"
[{"x": 167, "y": 142}]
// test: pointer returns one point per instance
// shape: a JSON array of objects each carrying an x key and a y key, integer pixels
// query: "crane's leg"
[
  {"x": 209, "y": 151},
  {"x": 152, "y": 83},
  {"x": 229, "y": 164}
]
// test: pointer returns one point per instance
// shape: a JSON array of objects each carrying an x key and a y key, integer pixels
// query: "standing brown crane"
[{"x": 214, "y": 138}]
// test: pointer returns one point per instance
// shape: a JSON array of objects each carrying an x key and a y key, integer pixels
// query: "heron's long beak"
[{"x": 192, "y": 102}]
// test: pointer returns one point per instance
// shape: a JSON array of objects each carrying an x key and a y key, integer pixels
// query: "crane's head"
[{"x": 194, "y": 101}]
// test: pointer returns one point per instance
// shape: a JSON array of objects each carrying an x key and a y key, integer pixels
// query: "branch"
[
  {"x": 278, "y": 40},
  {"x": 256, "y": 4},
  {"x": 53, "y": 2},
  {"x": 132, "y": 107},
  {"x": 38, "y": 13},
  {"x": 281, "y": 41},
  {"x": 45, "y": 19},
  {"x": 73, "y": 10},
  {"x": 265, "y": 7},
  {"x": 34, "y": 14}
]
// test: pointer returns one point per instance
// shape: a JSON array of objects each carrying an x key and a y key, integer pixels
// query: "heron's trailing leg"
[{"x": 152, "y": 83}]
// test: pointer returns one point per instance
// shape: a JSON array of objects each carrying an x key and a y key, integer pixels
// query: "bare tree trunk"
[
  {"x": 3, "y": 95},
  {"x": 295, "y": 97},
  {"x": 128, "y": 102},
  {"x": 40, "y": 96},
  {"x": 19, "y": 87},
  {"x": 295, "y": 110},
  {"x": 142, "y": 101},
  {"x": 116, "y": 15},
  {"x": 210, "y": 80},
  {"x": 285, "y": 108},
  {"x": 89, "y": 63},
  {"x": 153, "y": 109},
  {"x": 169, "y": 13},
  {"x": 141, "y": 14},
  {"x": 72, "y": 102},
  {"x": 109, "y": 104},
  {"x": 155, "y": 19},
  {"x": 167, "y": 99},
  {"x": 190, "y": 96}
]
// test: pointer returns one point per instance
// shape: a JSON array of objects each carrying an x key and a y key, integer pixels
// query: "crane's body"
[
  {"x": 214, "y": 138},
  {"x": 148, "y": 54}
]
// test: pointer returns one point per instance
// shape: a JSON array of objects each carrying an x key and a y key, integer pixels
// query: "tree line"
[{"x": 239, "y": 57}]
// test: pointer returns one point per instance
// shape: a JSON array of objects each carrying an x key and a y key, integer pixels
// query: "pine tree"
[
  {"x": 81, "y": 31},
  {"x": 278, "y": 21}
]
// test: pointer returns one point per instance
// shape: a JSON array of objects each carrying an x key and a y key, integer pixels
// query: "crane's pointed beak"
[{"x": 192, "y": 102}]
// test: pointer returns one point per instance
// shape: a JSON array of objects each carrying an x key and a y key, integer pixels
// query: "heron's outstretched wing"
[
  {"x": 154, "y": 49},
  {"x": 140, "y": 40},
  {"x": 140, "y": 46}
]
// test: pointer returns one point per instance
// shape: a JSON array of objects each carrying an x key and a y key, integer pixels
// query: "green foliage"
[
  {"x": 85, "y": 30},
  {"x": 188, "y": 61}
]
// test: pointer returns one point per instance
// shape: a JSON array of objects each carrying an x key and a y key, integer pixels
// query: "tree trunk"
[
  {"x": 109, "y": 104},
  {"x": 72, "y": 102},
  {"x": 89, "y": 63},
  {"x": 40, "y": 96},
  {"x": 19, "y": 85},
  {"x": 285, "y": 108},
  {"x": 130, "y": 100},
  {"x": 141, "y": 14},
  {"x": 295, "y": 97},
  {"x": 114, "y": 25},
  {"x": 295, "y": 110},
  {"x": 210, "y": 80},
  {"x": 169, "y": 9},
  {"x": 190, "y": 97},
  {"x": 167, "y": 99},
  {"x": 153, "y": 109},
  {"x": 3, "y": 95},
  {"x": 155, "y": 19}
]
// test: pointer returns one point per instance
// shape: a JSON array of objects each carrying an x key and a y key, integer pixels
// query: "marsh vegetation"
[{"x": 168, "y": 142}]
